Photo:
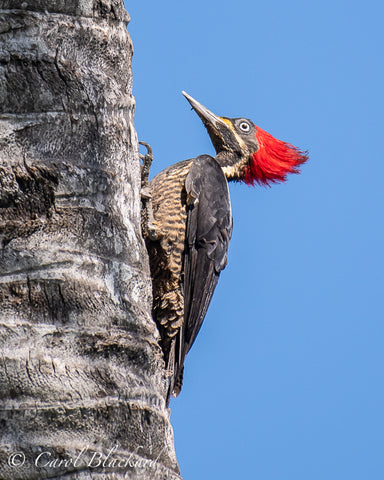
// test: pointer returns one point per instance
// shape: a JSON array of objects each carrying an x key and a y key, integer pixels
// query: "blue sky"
[{"x": 285, "y": 380}]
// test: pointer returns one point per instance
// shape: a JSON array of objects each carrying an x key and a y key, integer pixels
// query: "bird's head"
[{"x": 246, "y": 152}]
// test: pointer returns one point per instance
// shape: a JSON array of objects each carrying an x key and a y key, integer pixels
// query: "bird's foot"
[
  {"x": 146, "y": 197},
  {"x": 148, "y": 222},
  {"x": 145, "y": 193},
  {"x": 147, "y": 160},
  {"x": 152, "y": 232}
]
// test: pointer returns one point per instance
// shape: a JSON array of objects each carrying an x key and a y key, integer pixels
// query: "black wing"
[{"x": 209, "y": 230}]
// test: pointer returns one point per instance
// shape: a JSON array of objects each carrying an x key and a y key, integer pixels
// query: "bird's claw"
[
  {"x": 146, "y": 197},
  {"x": 148, "y": 147},
  {"x": 146, "y": 193},
  {"x": 151, "y": 231},
  {"x": 147, "y": 160}
]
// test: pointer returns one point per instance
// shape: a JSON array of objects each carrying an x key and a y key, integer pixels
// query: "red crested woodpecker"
[{"x": 188, "y": 224}]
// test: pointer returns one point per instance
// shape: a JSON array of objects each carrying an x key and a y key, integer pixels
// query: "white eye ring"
[{"x": 244, "y": 127}]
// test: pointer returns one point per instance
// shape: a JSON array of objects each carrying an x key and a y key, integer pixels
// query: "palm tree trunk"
[{"x": 81, "y": 386}]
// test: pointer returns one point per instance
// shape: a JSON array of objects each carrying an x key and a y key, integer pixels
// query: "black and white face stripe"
[
  {"x": 244, "y": 132},
  {"x": 234, "y": 139}
]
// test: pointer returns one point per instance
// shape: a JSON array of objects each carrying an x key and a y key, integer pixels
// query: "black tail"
[{"x": 175, "y": 367}]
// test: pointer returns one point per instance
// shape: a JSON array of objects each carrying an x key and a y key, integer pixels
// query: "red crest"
[{"x": 273, "y": 161}]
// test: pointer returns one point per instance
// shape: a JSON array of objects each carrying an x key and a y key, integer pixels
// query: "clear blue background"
[{"x": 285, "y": 380}]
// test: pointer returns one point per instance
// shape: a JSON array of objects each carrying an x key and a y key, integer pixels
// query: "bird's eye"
[{"x": 244, "y": 127}]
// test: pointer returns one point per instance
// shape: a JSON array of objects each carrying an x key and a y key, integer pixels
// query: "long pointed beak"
[
  {"x": 206, "y": 115},
  {"x": 219, "y": 130}
]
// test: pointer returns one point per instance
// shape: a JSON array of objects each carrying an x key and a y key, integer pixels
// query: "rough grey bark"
[{"x": 81, "y": 388}]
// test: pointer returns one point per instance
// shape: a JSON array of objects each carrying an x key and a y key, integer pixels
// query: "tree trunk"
[{"x": 81, "y": 385}]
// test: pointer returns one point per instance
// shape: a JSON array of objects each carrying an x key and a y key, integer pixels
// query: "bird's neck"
[{"x": 232, "y": 164}]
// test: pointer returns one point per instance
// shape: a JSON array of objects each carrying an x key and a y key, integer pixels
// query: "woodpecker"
[{"x": 188, "y": 224}]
